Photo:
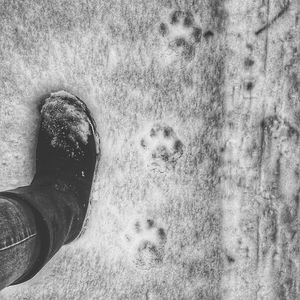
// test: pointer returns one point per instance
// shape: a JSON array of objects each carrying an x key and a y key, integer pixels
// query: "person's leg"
[
  {"x": 57, "y": 217},
  {"x": 19, "y": 241},
  {"x": 58, "y": 196}
]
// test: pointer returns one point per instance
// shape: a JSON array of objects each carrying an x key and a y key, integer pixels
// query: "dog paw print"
[
  {"x": 268, "y": 230},
  {"x": 182, "y": 33},
  {"x": 276, "y": 129},
  {"x": 146, "y": 243},
  {"x": 161, "y": 147}
]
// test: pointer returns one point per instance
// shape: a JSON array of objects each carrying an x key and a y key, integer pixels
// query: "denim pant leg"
[
  {"x": 19, "y": 242},
  {"x": 56, "y": 211}
]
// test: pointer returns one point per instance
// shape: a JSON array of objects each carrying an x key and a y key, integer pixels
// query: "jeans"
[
  {"x": 35, "y": 222},
  {"x": 19, "y": 240}
]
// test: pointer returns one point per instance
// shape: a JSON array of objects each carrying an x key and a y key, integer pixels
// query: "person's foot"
[
  {"x": 66, "y": 157},
  {"x": 67, "y": 151}
]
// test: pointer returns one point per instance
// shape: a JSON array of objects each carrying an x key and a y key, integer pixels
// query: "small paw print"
[
  {"x": 161, "y": 147},
  {"x": 146, "y": 243},
  {"x": 182, "y": 33},
  {"x": 287, "y": 137}
]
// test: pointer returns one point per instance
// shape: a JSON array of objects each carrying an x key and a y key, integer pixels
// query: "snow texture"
[
  {"x": 224, "y": 77},
  {"x": 64, "y": 119}
]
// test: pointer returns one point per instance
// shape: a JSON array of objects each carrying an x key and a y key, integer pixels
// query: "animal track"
[
  {"x": 146, "y": 243},
  {"x": 161, "y": 147},
  {"x": 182, "y": 33},
  {"x": 279, "y": 217},
  {"x": 268, "y": 228},
  {"x": 280, "y": 145}
]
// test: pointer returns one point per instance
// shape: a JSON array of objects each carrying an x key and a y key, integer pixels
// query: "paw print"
[
  {"x": 284, "y": 133},
  {"x": 161, "y": 147},
  {"x": 182, "y": 33},
  {"x": 242, "y": 249},
  {"x": 268, "y": 230},
  {"x": 146, "y": 243}
]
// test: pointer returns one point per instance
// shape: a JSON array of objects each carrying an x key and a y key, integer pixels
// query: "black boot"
[{"x": 66, "y": 157}]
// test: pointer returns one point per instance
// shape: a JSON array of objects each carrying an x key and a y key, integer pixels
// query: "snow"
[
  {"x": 212, "y": 204},
  {"x": 59, "y": 114}
]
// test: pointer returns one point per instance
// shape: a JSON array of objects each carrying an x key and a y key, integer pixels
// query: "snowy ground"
[{"x": 196, "y": 195}]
